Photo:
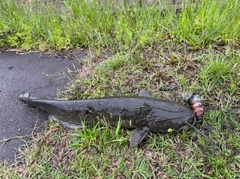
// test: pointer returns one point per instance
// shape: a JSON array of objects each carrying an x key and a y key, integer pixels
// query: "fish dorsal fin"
[
  {"x": 138, "y": 135},
  {"x": 144, "y": 93}
]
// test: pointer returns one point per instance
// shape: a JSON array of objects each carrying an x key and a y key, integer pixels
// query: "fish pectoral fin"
[{"x": 138, "y": 135}]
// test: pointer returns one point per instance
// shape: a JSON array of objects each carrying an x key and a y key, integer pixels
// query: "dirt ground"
[{"x": 42, "y": 75}]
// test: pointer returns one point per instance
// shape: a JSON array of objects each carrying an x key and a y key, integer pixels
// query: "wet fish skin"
[
  {"x": 138, "y": 112},
  {"x": 134, "y": 111}
]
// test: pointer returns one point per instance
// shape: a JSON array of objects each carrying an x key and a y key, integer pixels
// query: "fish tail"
[
  {"x": 24, "y": 97},
  {"x": 41, "y": 104}
]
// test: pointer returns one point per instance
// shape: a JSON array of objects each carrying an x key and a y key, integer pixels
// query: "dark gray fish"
[{"x": 140, "y": 112}]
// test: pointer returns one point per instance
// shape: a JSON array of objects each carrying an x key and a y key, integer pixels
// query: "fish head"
[{"x": 162, "y": 121}]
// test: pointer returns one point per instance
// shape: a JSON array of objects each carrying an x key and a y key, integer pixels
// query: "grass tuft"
[{"x": 39, "y": 25}]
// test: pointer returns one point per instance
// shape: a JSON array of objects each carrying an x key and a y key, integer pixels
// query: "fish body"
[{"x": 141, "y": 112}]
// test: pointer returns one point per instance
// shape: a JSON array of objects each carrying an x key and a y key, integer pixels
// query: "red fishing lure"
[{"x": 197, "y": 106}]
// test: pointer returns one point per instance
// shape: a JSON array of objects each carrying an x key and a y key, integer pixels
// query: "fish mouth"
[{"x": 192, "y": 120}]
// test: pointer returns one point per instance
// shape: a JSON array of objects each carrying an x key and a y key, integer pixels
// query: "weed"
[
  {"x": 82, "y": 23},
  {"x": 205, "y": 23}
]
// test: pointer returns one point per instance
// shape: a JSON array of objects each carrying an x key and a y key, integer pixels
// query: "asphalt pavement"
[{"x": 39, "y": 74}]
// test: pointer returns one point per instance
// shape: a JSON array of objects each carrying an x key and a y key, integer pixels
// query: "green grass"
[
  {"x": 82, "y": 23},
  {"x": 132, "y": 48}
]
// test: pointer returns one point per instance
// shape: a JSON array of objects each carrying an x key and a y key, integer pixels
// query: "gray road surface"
[{"x": 27, "y": 73}]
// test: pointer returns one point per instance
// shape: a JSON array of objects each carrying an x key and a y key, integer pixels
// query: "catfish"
[{"x": 142, "y": 113}]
